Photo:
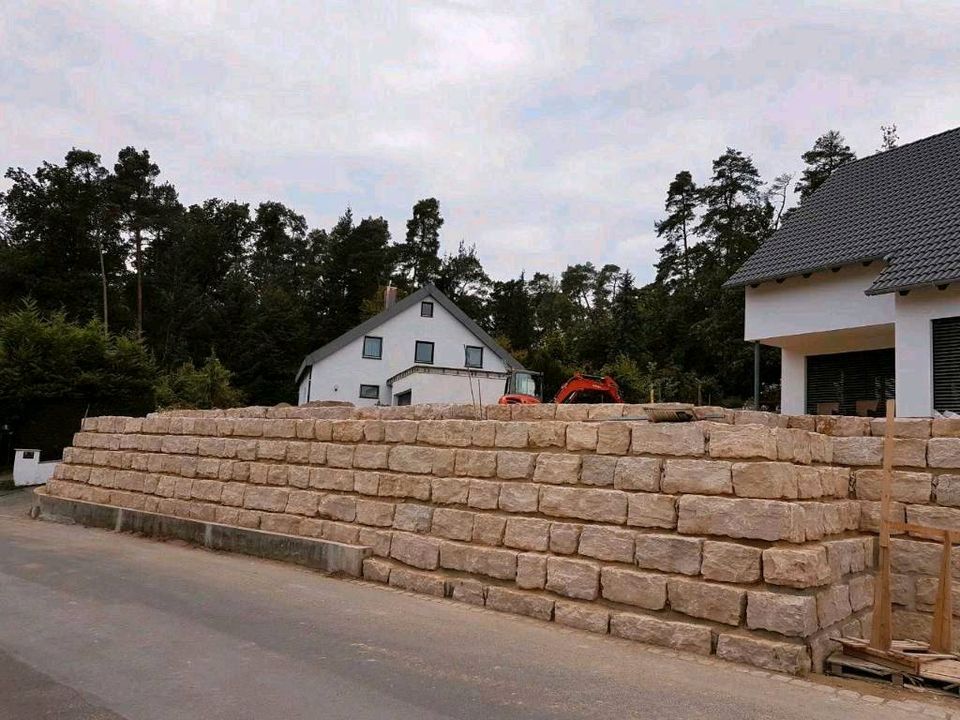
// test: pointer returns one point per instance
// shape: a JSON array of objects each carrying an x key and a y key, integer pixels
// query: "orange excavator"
[{"x": 526, "y": 388}]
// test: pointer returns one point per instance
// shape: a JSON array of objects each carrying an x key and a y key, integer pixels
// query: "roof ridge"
[{"x": 893, "y": 150}]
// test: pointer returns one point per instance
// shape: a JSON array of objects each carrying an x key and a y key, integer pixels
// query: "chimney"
[{"x": 389, "y": 296}]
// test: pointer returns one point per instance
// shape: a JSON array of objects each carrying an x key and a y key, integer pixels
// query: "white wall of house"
[
  {"x": 339, "y": 376},
  {"x": 435, "y": 388}
]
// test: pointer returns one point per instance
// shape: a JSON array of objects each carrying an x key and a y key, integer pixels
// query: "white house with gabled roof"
[{"x": 421, "y": 349}]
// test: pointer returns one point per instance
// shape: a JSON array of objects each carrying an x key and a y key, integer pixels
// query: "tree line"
[{"x": 239, "y": 294}]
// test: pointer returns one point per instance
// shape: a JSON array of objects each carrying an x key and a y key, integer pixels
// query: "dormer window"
[
  {"x": 474, "y": 356},
  {"x": 373, "y": 347},
  {"x": 426, "y": 309}
]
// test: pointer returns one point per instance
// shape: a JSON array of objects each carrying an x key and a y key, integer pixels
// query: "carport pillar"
[{"x": 756, "y": 375}]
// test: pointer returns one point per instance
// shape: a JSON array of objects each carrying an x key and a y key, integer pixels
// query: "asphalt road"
[{"x": 99, "y": 625}]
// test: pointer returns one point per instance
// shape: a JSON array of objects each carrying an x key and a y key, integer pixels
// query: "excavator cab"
[{"x": 523, "y": 387}]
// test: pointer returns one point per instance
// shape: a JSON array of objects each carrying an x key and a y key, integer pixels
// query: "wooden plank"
[
  {"x": 942, "y": 670},
  {"x": 925, "y": 531},
  {"x": 941, "y": 637},
  {"x": 882, "y": 629}
]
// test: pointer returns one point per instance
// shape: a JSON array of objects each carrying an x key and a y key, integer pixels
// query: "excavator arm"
[{"x": 597, "y": 388}]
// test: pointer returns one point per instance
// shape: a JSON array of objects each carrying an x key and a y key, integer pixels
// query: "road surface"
[{"x": 99, "y": 625}]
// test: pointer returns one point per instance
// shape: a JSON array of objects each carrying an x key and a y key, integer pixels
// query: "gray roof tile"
[{"x": 901, "y": 206}]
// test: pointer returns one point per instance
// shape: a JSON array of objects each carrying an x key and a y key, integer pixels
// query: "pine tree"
[
  {"x": 829, "y": 152},
  {"x": 419, "y": 255},
  {"x": 677, "y": 228}
]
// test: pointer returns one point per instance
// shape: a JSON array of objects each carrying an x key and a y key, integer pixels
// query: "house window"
[
  {"x": 404, "y": 398},
  {"x": 946, "y": 364},
  {"x": 426, "y": 309},
  {"x": 853, "y": 383},
  {"x": 372, "y": 347},
  {"x": 423, "y": 353},
  {"x": 370, "y": 392},
  {"x": 474, "y": 356}
]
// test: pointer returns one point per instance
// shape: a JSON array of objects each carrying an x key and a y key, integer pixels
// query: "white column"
[
  {"x": 914, "y": 364},
  {"x": 793, "y": 382}
]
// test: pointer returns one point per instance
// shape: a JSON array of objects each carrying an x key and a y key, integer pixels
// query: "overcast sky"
[{"x": 548, "y": 132}]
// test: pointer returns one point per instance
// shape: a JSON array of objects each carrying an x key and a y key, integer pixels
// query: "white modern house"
[
  {"x": 860, "y": 288},
  {"x": 421, "y": 349}
]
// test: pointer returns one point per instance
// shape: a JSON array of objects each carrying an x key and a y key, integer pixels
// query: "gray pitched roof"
[
  {"x": 427, "y": 291},
  {"x": 901, "y": 206}
]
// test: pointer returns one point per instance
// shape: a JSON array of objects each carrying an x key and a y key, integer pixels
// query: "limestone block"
[
  {"x": 324, "y": 478},
  {"x": 514, "y": 465},
  {"x": 870, "y": 515},
  {"x": 488, "y": 529},
  {"x": 468, "y": 591},
  {"x": 667, "y": 439},
  {"x": 742, "y": 441},
  {"x": 582, "y": 616},
  {"x": 843, "y": 425},
  {"x": 769, "y": 480},
  {"x": 418, "y": 582},
  {"x": 492, "y": 562},
  {"x": 416, "y": 550},
  {"x": 453, "y": 524},
  {"x": 302, "y": 502},
  {"x": 606, "y": 543},
  {"x": 520, "y": 603},
  {"x": 793, "y": 445},
  {"x": 792, "y": 615},
  {"x": 573, "y": 578},
  {"x": 527, "y": 533},
  {"x": 797, "y": 567},
  {"x": 942, "y": 427},
  {"x": 652, "y": 510},
  {"x": 450, "y": 491},
  {"x": 768, "y": 654},
  {"x": 519, "y": 497},
  {"x": 512, "y": 434},
  {"x": 547, "y": 434},
  {"x": 861, "y": 592},
  {"x": 340, "y": 456},
  {"x": 666, "y": 633},
  {"x": 338, "y": 507},
  {"x": 410, "y": 459},
  {"x": 902, "y": 427},
  {"x": 261, "y": 497},
  {"x": 613, "y": 438},
  {"x": 405, "y": 486},
  {"x": 412, "y": 517},
  {"x": 741, "y": 518},
  {"x": 637, "y": 473},
  {"x": 646, "y": 590},
  {"x": 858, "y": 450},
  {"x": 557, "y": 469},
  {"x": 720, "y": 603},
  {"x": 374, "y": 512},
  {"x": 669, "y": 553},
  {"x": 376, "y": 570},
  {"x": 564, "y": 538},
  {"x": 400, "y": 431},
  {"x": 483, "y": 495},
  {"x": 370, "y": 457},
  {"x": 599, "y": 470},
  {"x": 944, "y": 452},
  {"x": 833, "y": 605},
  {"x": 599, "y": 505},
  {"x": 730, "y": 562},
  {"x": 703, "y": 477},
  {"x": 531, "y": 571}
]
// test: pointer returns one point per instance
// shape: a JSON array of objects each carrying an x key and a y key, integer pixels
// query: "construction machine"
[{"x": 526, "y": 388}]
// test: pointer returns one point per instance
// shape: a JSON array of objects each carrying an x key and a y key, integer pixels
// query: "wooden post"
[
  {"x": 941, "y": 637},
  {"x": 881, "y": 635}
]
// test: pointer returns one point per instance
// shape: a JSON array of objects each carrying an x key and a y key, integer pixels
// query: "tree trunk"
[
  {"x": 139, "y": 241},
  {"x": 103, "y": 283}
]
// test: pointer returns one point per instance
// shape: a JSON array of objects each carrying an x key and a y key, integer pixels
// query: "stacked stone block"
[{"x": 711, "y": 537}]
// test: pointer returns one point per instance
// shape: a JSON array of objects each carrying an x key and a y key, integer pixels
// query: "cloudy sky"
[{"x": 548, "y": 131}]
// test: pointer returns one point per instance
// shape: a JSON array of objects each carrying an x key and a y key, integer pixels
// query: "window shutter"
[{"x": 946, "y": 364}]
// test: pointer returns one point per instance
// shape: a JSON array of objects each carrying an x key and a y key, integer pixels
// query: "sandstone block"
[
  {"x": 948, "y": 490},
  {"x": 493, "y": 562},
  {"x": 846, "y": 556},
  {"x": 512, "y": 434},
  {"x": 573, "y": 412},
  {"x": 833, "y": 605},
  {"x": 476, "y": 463},
  {"x": 450, "y": 491},
  {"x": 573, "y": 578},
  {"x": 741, "y": 518},
  {"x": 835, "y": 482},
  {"x": 653, "y": 631},
  {"x": 483, "y": 495},
  {"x": 527, "y": 533},
  {"x": 400, "y": 431},
  {"x": 519, "y": 497},
  {"x": 667, "y": 439},
  {"x": 284, "y": 524},
  {"x": 547, "y": 434},
  {"x": 515, "y": 465},
  {"x": 484, "y": 433},
  {"x": 581, "y": 436},
  {"x": 488, "y": 529},
  {"x": 652, "y": 510},
  {"x": 564, "y": 538},
  {"x": 600, "y": 505},
  {"x": 337, "y": 507},
  {"x": 453, "y": 524},
  {"x": 944, "y": 452},
  {"x": 792, "y": 615},
  {"x": 415, "y": 550},
  {"x": 858, "y": 450},
  {"x": 669, "y": 553},
  {"x": 302, "y": 502},
  {"x": 412, "y": 517},
  {"x": 915, "y": 557},
  {"x": 542, "y": 411},
  {"x": 646, "y": 590},
  {"x": 404, "y": 486},
  {"x": 908, "y": 487},
  {"x": 945, "y": 427},
  {"x": 606, "y": 543},
  {"x": 581, "y": 616},
  {"x": 933, "y": 516},
  {"x": 861, "y": 592},
  {"x": 742, "y": 441},
  {"x": 870, "y": 515},
  {"x": 374, "y": 512},
  {"x": 902, "y": 427},
  {"x": 371, "y": 457},
  {"x": 531, "y": 571},
  {"x": 730, "y": 562},
  {"x": 418, "y": 582},
  {"x": 376, "y": 570},
  {"x": 324, "y": 478},
  {"x": 720, "y": 603},
  {"x": 340, "y": 456},
  {"x": 799, "y": 567},
  {"x": 703, "y": 477},
  {"x": 259, "y": 497},
  {"x": 410, "y": 459},
  {"x": 637, "y": 473},
  {"x": 843, "y": 425},
  {"x": 769, "y": 480},
  {"x": 468, "y": 591},
  {"x": 777, "y": 656},
  {"x": 793, "y": 445},
  {"x": 520, "y": 603},
  {"x": 557, "y": 469},
  {"x": 598, "y": 470},
  {"x": 613, "y": 438}
]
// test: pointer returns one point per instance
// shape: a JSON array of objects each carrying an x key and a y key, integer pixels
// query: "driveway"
[{"x": 99, "y": 625}]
